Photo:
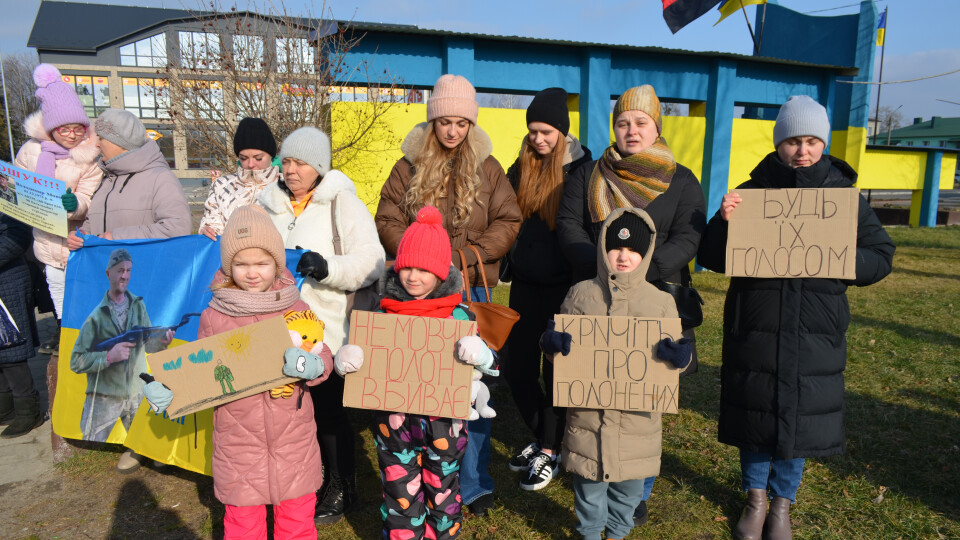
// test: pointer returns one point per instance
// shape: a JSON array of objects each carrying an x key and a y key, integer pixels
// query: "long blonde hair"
[
  {"x": 541, "y": 181},
  {"x": 434, "y": 168}
]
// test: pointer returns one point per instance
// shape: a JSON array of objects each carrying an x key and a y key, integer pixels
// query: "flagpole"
[
  {"x": 6, "y": 107},
  {"x": 883, "y": 48},
  {"x": 753, "y": 38},
  {"x": 763, "y": 23}
]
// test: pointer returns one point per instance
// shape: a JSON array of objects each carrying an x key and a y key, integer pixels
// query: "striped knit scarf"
[{"x": 632, "y": 181}]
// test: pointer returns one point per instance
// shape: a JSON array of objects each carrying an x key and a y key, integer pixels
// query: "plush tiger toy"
[{"x": 306, "y": 332}]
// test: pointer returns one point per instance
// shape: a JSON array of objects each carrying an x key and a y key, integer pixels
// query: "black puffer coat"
[
  {"x": 784, "y": 340},
  {"x": 16, "y": 290}
]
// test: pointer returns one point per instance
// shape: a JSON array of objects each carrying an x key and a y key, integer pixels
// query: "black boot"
[
  {"x": 28, "y": 417},
  {"x": 337, "y": 497},
  {"x": 51, "y": 346},
  {"x": 6, "y": 408}
]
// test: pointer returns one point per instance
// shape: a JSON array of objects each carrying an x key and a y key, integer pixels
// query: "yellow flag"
[{"x": 730, "y": 7}]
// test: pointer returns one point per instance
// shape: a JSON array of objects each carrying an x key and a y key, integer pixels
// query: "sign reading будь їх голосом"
[{"x": 794, "y": 233}]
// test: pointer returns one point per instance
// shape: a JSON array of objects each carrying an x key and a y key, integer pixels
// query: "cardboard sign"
[
  {"x": 613, "y": 364},
  {"x": 409, "y": 365},
  {"x": 794, "y": 233},
  {"x": 224, "y": 367},
  {"x": 33, "y": 199}
]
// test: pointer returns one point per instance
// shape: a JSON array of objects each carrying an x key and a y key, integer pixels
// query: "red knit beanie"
[{"x": 425, "y": 244}]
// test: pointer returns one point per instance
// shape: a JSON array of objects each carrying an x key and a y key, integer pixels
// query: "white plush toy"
[{"x": 479, "y": 396}]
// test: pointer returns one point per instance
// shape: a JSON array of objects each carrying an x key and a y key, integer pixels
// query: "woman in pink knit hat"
[
  {"x": 447, "y": 163},
  {"x": 63, "y": 146}
]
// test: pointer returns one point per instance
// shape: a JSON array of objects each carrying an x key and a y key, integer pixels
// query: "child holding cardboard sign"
[
  {"x": 612, "y": 452},
  {"x": 265, "y": 448},
  {"x": 421, "y": 490}
]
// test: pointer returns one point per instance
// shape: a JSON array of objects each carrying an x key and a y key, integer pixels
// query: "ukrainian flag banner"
[
  {"x": 730, "y": 7},
  {"x": 882, "y": 28}
]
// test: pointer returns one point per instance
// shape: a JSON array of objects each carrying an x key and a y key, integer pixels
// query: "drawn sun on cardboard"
[{"x": 236, "y": 344}]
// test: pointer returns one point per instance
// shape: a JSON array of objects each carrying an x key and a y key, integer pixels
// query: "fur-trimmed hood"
[
  {"x": 390, "y": 286},
  {"x": 414, "y": 141},
  {"x": 275, "y": 199},
  {"x": 84, "y": 153}
]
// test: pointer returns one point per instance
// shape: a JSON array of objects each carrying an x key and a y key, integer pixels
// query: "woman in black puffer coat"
[
  {"x": 19, "y": 401},
  {"x": 784, "y": 340}
]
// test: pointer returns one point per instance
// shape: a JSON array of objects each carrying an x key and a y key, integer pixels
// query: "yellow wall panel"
[
  {"x": 892, "y": 169},
  {"x": 751, "y": 140},
  {"x": 948, "y": 168}
]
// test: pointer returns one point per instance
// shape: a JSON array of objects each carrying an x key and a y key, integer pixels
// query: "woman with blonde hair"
[
  {"x": 540, "y": 277},
  {"x": 447, "y": 163}
]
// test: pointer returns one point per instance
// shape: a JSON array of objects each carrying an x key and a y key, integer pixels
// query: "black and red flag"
[{"x": 679, "y": 13}]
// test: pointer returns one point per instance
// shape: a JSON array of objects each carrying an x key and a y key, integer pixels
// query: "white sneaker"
[
  {"x": 543, "y": 467},
  {"x": 521, "y": 461}
]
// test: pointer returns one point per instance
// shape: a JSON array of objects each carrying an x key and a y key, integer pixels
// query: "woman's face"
[
  {"x": 418, "y": 282},
  {"x": 542, "y": 137},
  {"x": 253, "y": 269},
  {"x": 451, "y": 130},
  {"x": 799, "y": 152},
  {"x": 69, "y": 135},
  {"x": 299, "y": 177},
  {"x": 108, "y": 150},
  {"x": 254, "y": 160},
  {"x": 634, "y": 132}
]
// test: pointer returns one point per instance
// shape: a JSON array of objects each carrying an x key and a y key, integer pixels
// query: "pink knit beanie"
[
  {"x": 58, "y": 100},
  {"x": 249, "y": 227},
  {"x": 453, "y": 95},
  {"x": 425, "y": 244}
]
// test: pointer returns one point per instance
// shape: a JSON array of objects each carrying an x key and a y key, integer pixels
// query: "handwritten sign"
[
  {"x": 224, "y": 367},
  {"x": 409, "y": 365},
  {"x": 794, "y": 233},
  {"x": 33, "y": 199},
  {"x": 613, "y": 364}
]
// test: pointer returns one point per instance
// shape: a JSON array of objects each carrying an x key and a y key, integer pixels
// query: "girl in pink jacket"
[{"x": 265, "y": 447}]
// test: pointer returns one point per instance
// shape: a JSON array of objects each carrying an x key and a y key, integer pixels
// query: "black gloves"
[
  {"x": 312, "y": 264},
  {"x": 676, "y": 352},
  {"x": 553, "y": 342}
]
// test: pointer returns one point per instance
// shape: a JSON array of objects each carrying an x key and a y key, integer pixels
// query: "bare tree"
[
  {"x": 889, "y": 120},
  {"x": 286, "y": 69},
  {"x": 18, "y": 79}
]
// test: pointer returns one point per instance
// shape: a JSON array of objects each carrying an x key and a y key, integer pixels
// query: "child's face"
[
  {"x": 624, "y": 259},
  {"x": 253, "y": 269},
  {"x": 418, "y": 282}
]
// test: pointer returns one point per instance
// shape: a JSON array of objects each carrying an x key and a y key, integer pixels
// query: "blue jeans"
[
  {"x": 475, "y": 479},
  {"x": 605, "y": 505},
  {"x": 647, "y": 487},
  {"x": 780, "y": 477}
]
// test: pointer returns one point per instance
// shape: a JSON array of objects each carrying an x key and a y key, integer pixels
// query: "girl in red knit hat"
[{"x": 422, "y": 492}]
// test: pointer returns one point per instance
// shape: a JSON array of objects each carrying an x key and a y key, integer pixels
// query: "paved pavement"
[{"x": 29, "y": 456}]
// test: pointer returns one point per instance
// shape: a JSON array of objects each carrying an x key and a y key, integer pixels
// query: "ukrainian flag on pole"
[
  {"x": 730, "y": 7},
  {"x": 882, "y": 28}
]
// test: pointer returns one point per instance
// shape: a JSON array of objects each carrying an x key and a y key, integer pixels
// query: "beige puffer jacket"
[
  {"x": 611, "y": 445},
  {"x": 79, "y": 172}
]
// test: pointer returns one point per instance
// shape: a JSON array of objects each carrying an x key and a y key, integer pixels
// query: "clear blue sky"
[{"x": 922, "y": 35}]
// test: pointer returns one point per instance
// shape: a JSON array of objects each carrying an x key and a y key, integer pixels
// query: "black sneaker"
[
  {"x": 521, "y": 461},
  {"x": 543, "y": 467},
  {"x": 640, "y": 515}
]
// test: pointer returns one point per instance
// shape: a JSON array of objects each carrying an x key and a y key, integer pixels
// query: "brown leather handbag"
[{"x": 494, "y": 321}]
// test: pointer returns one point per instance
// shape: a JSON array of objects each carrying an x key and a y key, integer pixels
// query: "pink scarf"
[{"x": 50, "y": 154}]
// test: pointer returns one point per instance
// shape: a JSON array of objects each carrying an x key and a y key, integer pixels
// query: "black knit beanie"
[
  {"x": 629, "y": 231},
  {"x": 254, "y": 134},
  {"x": 550, "y": 107}
]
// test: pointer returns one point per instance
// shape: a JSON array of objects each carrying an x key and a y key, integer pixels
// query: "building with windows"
[{"x": 938, "y": 132}]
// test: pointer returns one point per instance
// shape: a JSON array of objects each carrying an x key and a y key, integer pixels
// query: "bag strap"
[
  {"x": 463, "y": 274},
  {"x": 337, "y": 247},
  {"x": 483, "y": 274}
]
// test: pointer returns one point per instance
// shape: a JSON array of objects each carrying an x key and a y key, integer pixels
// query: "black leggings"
[
  {"x": 16, "y": 378},
  {"x": 334, "y": 432}
]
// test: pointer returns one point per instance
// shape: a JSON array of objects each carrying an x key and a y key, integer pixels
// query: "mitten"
[
  {"x": 302, "y": 364},
  {"x": 349, "y": 359},
  {"x": 158, "y": 396},
  {"x": 312, "y": 264},
  {"x": 553, "y": 342},
  {"x": 676, "y": 352},
  {"x": 69, "y": 201},
  {"x": 472, "y": 350}
]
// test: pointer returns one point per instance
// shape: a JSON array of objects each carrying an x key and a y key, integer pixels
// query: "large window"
[
  {"x": 251, "y": 100},
  {"x": 149, "y": 52},
  {"x": 200, "y": 152},
  {"x": 202, "y": 100},
  {"x": 164, "y": 138},
  {"x": 94, "y": 93},
  {"x": 200, "y": 50},
  {"x": 248, "y": 53},
  {"x": 146, "y": 97},
  {"x": 295, "y": 55}
]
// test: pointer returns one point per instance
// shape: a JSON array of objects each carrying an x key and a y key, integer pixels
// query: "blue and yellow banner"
[{"x": 882, "y": 28}]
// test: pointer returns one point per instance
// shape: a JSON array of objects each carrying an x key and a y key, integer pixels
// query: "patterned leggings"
[{"x": 419, "y": 467}]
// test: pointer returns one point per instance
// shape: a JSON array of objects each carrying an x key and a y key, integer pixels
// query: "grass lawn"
[{"x": 898, "y": 479}]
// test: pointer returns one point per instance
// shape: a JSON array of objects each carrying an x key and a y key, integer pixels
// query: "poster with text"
[
  {"x": 33, "y": 199},
  {"x": 794, "y": 233},
  {"x": 613, "y": 364},
  {"x": 409, "y": 365}
]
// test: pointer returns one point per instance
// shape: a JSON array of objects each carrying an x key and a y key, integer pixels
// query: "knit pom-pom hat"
[
  {"x": 425, "y": 244},
  {"x": 453, "y": 95},
  {"x": 640, "y": 98},
  {"x": 58, "y": 100},
  {"x": 250, "y": 227}
]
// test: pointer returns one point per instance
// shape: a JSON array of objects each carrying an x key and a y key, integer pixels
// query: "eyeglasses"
[{"x": 64, "y": 131}]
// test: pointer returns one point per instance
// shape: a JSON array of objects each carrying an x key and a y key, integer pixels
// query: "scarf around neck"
[
  {"x": 441, "y": 307},
  {"x": 240, "y": 303},
  {"x": 50, "y": 154},
  {"x": 632, "y": 181}
]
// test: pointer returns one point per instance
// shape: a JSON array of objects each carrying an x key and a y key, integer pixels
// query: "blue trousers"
[
  {"x": 605, "y": 505},
  {"x": 475, "y": 479},
  {"x": 780, "y": 477}
]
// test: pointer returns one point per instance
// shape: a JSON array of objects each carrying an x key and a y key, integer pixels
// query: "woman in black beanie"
[
  {"x": 255, "y": 147},
  {"x": 540, "y": 278}
]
